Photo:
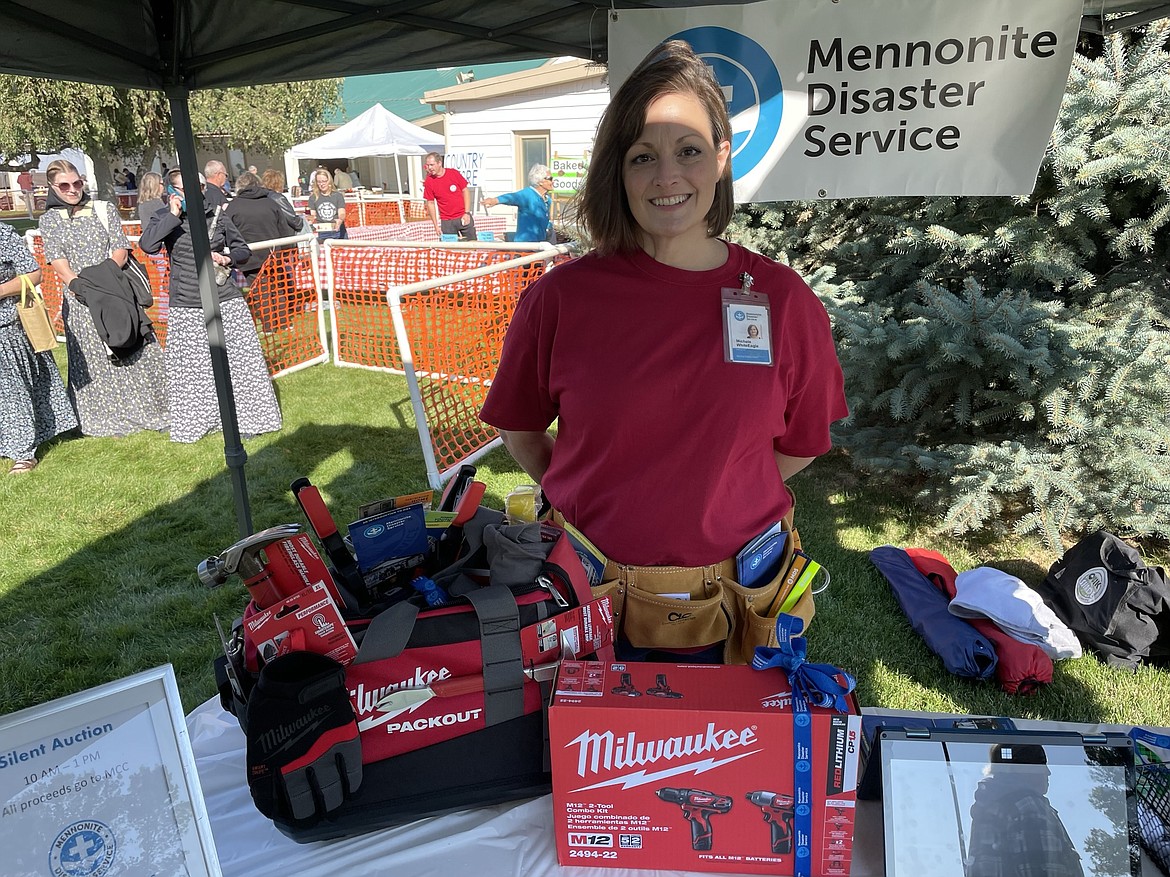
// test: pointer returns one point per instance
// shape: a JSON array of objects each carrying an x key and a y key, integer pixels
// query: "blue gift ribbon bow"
[{"x": 819, "y": 685}]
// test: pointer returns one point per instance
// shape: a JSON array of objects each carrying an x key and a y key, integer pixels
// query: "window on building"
[{"x": 532, "y": 147}]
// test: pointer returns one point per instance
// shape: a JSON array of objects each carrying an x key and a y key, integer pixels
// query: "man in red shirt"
[
  {"x": 24, "y": 181},
  {"x": 448, "y": 199}
]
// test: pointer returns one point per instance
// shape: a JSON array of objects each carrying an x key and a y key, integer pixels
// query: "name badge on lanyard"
[{"x": 747, "y": 324}]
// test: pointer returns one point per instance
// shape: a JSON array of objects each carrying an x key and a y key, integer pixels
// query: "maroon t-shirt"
[
  {"x": 447, "y": 192},
  {"x": 664, "y": 452}
]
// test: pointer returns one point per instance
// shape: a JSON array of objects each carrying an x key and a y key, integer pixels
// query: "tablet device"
[{"x": 961, "y": 803}]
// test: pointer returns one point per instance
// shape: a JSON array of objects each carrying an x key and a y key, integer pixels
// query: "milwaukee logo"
[
  {"x": 365, "y": 700},
  {"x": 282, "y": 734},
  {"x": 607, "y": 752},
  {"x": 780, "y": 700}
]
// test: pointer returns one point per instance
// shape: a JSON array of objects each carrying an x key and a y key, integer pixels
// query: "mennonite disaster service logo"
[
  {"x": 751, "y": 84},
  {"x": 84, "y": 849}
]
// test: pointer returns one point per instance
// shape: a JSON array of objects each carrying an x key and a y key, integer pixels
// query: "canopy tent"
[
  {"x": 181, "y": 45},
  {"x": 377, "y": 131}
]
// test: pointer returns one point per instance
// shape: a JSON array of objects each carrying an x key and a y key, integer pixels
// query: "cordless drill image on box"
[
  {"x": 697, "y": 808},
  {"x": 779, "y": 812}
]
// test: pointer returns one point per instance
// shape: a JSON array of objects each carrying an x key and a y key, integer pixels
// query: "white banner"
[{"x": 855, "y": 98}]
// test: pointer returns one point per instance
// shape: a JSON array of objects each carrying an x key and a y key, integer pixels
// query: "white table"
[{"x": 506, "y": 840}]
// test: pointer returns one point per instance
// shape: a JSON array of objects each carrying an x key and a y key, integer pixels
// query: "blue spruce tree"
[{"x": 1010, "y": 358}]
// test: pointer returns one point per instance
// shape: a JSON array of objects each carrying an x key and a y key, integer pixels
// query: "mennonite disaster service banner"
[{"x": 874, "y": 97}]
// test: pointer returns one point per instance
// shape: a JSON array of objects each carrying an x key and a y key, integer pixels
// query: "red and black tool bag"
[{"x": 518, "y": 601}]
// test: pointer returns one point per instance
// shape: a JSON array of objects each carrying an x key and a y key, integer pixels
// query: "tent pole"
[{"x": 233, "y": 449}]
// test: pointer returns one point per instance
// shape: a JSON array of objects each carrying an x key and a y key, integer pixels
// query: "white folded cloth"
[{"x": 1019, "y": 611}]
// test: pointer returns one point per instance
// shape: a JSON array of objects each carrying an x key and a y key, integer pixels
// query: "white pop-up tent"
[{"x": 376, "y": 132}]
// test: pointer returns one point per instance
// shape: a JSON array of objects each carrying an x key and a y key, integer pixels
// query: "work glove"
[{"x": 304, "y": 756}]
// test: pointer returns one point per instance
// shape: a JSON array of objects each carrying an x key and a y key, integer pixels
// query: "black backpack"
[{"x": 1116, "y": 605}]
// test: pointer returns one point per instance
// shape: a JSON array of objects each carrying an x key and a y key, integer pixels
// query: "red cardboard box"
[{"x": 691, "y": 767}]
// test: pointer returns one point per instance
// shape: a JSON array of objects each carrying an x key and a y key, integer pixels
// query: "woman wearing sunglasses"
[
  {"x": 194, "y": 409},
  {"x": 112, "y": 397}
]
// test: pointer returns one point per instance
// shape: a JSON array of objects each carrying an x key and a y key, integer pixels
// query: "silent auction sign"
[{"x": 101, "y": 783}]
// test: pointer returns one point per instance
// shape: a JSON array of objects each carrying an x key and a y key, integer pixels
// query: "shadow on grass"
[
  {"x": 860, "y": 626},
  {"x": 130, "y": 599}
]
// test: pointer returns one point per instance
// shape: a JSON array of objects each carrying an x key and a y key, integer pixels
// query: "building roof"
[
  {"x": 400, "y": 93},
  {"x": 555, "y": 72}
]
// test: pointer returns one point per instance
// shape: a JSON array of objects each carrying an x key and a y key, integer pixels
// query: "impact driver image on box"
[{"x": 694, "y": 767}]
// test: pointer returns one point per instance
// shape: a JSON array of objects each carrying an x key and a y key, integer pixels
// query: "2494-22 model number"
[{"x": 592, "y": 854}]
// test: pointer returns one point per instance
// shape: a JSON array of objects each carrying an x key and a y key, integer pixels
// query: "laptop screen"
[{"x": 970, "y": 804}]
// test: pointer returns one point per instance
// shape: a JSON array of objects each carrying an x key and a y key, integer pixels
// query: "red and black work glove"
[{"x": 304, "y": 756}]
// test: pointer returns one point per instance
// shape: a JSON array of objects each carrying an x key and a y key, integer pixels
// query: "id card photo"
[{"x": 749, "y": 337}]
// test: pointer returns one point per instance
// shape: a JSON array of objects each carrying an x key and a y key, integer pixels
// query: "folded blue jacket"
[{"x": 964, "y": 651}]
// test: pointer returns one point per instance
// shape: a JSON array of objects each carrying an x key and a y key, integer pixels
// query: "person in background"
[
  {"x": 326, "y": 207},
  {"x": 534, "y": 203},
  {"x": 662, "y": 395},
  {"x": 447, "y": 198},
  {"x": 131, "y": 179},
  {"x": 34, "y": 406},
  {"x": 119, "y": 177},
  {"x": 273, "y": 181},
  {"x": 25, "y": 183},
  {"x": 217, "y": 183},
  {"x": 259, "y": 217},
  {"x": 112, "y": 398},
  {"x": 150, "y": 196},
  {"x": 190, "y": 382},
  {"x": 342, "y": 181}
]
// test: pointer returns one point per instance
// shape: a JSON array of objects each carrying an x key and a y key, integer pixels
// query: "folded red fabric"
[{"x": 1022, "y": 667}]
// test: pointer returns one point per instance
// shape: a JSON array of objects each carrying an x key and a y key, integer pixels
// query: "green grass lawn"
[{"x": 101, "y": 543}]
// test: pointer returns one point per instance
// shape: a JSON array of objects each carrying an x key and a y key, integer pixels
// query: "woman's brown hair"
[
  {"x": 273, "y": 179},
  {"x": 670, "y": 68},
  {"x": 150, "y": 186}
]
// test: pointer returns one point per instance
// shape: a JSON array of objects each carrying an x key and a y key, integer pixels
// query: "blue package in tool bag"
[
  {"x": 964, "y": 651},
  {"x": 396, "y": 533}
]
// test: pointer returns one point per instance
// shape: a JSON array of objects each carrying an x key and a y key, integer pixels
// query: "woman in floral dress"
[
  {"x": 111, "y": 398},
  {"x": 33, "y": 405},
  {"x": 193, "y": 403}
]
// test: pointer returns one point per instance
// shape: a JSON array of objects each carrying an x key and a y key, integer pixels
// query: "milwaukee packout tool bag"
[{"x": 449, "y": 701}]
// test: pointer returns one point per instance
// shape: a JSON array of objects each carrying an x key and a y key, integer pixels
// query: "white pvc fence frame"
[
  {"x": 314, "y": 248},
  {"x": 540, "y": 252}
]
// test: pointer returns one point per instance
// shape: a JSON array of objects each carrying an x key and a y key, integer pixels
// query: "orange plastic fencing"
[
  {"x": 283, "y": 300},
  {"x": 380, "y": 213},
  {"x": 456, "y": 331}
]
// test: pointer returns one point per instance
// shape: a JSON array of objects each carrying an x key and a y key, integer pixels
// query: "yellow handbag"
[{"x": 34, "y": 317}]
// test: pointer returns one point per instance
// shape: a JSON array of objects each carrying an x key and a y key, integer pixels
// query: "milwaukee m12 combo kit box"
[{"x": 699, "y": 768}]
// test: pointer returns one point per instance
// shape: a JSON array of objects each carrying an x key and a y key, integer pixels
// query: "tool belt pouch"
[
  {"x": 688, "y": 608},
  {"x": 516, "y": 594}
]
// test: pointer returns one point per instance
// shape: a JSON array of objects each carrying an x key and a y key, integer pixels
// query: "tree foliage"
[
  {"x": 42, "y": 116},
  {"x": 1013, "y": 355}
]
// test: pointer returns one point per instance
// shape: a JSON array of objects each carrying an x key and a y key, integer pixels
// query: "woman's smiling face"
[{"x": 670, "y": 171}]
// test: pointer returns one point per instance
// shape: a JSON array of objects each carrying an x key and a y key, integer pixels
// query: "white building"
[{"x": 497, "y": 128}]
